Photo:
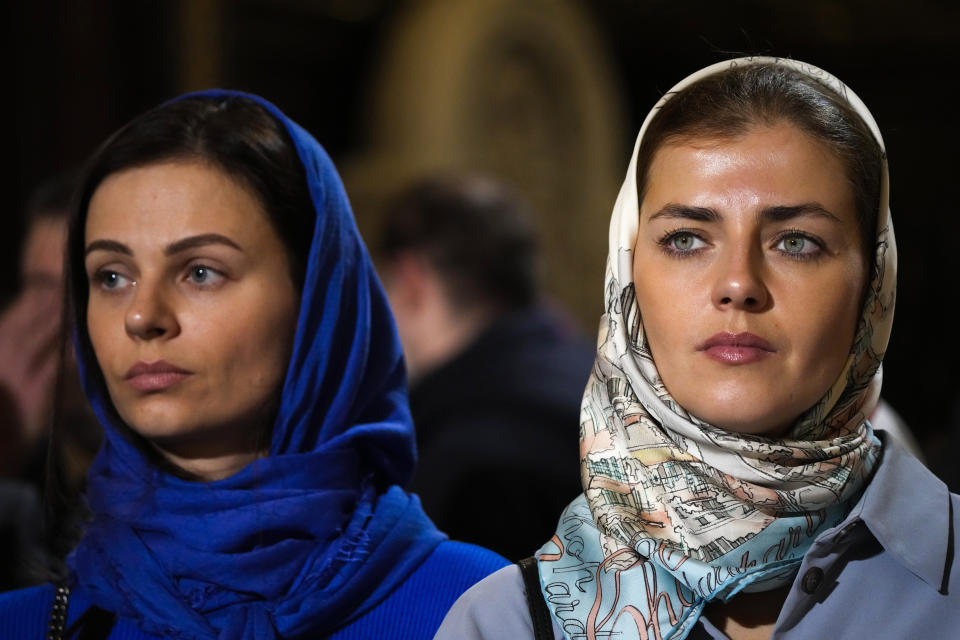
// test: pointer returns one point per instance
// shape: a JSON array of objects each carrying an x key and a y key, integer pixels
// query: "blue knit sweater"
[{"x": 413, "y": 611}]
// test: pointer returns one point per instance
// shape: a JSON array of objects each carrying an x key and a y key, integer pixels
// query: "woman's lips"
[
  {"x": 736, "y": 348},
  {"x": 155, "y": 376}
]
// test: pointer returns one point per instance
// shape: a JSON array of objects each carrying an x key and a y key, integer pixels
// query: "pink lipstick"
[
  {"x": 155, "y": 376},
  {"x": 736, "y": 348}
]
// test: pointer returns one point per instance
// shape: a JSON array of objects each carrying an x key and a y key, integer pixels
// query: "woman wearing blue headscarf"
[{"x": 236, "y": 345}]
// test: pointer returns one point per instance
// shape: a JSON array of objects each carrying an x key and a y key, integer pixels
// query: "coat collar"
[{"x": 903, "y": 497}]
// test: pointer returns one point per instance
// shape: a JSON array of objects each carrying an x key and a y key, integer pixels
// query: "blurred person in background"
[
  {"x": 30, "y": 333},
  {"x": 30, "y": 355},
  {"x": 495, "y": 375}
]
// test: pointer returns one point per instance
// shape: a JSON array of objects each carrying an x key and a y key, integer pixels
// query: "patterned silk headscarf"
[{"x": 676, "y": 512}]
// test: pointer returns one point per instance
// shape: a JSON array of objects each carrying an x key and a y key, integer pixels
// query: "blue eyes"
[
  {"x": 203, "y": 275},
  {"x": 795, "y": 244},
  {"x": 683, "y": 241},
  {"x": 111, "y": 279},
  {"x": 199, "y": 275}
]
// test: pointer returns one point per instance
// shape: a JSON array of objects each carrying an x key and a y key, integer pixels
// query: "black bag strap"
[{"x": 539, "y": 613}]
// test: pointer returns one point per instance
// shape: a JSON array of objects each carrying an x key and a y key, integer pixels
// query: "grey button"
[{"x": 812, "y": 579}]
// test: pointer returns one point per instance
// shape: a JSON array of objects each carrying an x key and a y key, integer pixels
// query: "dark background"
[{"x": 81, "y": 69}]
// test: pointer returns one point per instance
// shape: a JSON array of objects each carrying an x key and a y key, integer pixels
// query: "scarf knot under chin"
[{"x": 676, "y": 512}]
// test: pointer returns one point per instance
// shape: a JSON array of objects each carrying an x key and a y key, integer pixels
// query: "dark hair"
[
  {"x": 233, "y": 134},
  {"x": 474, "y": 231},
  {"x": 729, "y": 103}
]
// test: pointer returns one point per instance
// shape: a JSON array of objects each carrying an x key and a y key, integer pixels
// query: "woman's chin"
[
  {"x": 161, "y": 427},
  {"x": 768, "y": 410},
  {"x": 736, "y": 420}
]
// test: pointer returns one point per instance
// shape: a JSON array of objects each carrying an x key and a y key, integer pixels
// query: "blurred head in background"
[
  {"x": 30, "y": 345},
  {"x": 456, "y": 253},
  {"x": 45, "y": 236},
  {"x": 31, "y": 351},
  {"x": 496, "y": 372}
]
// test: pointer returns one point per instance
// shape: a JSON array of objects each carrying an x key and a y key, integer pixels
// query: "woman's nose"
[
  {"x": 150, "y": 315},
  {"x": 739, "y": 283}
]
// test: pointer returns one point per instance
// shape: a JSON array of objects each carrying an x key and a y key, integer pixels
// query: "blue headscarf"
[{"x": 305, "y": 539}]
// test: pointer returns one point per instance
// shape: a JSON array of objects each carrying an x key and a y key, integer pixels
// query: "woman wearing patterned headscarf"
[
  {"x": 237, "y": 347},
  {"x": 733, "y": 487}
]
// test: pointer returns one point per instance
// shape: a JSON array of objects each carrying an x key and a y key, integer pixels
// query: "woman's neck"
[
  {"x": 208, "y": 459},
  {"x": 209, "y": 469}
]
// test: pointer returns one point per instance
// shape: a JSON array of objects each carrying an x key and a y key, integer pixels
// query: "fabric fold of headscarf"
[
  {"x": 676, "y": 512},
  {"x": 307, "y": 538}
]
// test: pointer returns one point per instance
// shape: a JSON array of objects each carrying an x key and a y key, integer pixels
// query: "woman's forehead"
[
  {"x": 164, "y": 200},
  {"x": 769, "y": 166}
]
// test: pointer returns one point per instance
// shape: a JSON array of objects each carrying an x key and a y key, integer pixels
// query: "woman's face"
[
  {"x": 749, "y": 274},
  {"x": 192, "y": 311}
]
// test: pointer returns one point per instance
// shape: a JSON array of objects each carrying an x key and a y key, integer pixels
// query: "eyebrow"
[
  {"x": 780, "y": 213},
  {"x": 199, "y": 241},
  {"x": 172, "y": 248},
  {"x": 784, "y": 213},
  {"x": 685, "y": 212},
  {"x": 107, "y": 245}
]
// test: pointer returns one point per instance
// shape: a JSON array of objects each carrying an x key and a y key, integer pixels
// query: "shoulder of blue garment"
[{"x": 413, "y": 610}]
